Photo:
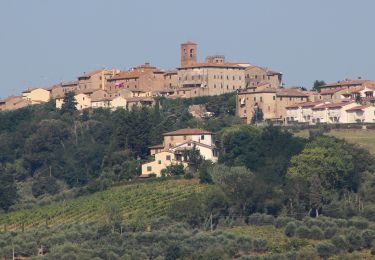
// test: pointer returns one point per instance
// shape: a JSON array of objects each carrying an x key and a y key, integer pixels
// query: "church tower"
[{"x": 188, "y": 54}]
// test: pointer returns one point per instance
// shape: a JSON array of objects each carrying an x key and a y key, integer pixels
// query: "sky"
[{"x": 43, "y": 42}]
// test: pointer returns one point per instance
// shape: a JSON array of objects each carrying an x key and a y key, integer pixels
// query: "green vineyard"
[{"x": 143, "y": 201}]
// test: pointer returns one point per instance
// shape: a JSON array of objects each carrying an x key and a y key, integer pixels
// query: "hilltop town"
[{"x": 259, "y": 91}]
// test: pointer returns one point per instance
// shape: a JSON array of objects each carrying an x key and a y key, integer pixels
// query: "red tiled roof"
[
  {"x": 288, "y": 92},
  {"x": 305, "y": 104},
  {"x": 332, "y": 105},
  {"x": 188, "y": 131},
  {"x": 357, "y": 108},
  {"x": 346, "y": 82},
  {"x": 156, "y": 146},
  {"x": 330, "y": 91},
  {"x": 126, "y": 75},
  {"x": 213, "y": 65}
]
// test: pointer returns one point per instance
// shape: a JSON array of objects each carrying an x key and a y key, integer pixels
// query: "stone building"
[
  {"x": 271, "y": 101},
  {"x": 143, "y": 78},
  {"x": 214, "y": 76},
  {"x": 257, "y": 76},
  {"x": 95, "y": 79}
]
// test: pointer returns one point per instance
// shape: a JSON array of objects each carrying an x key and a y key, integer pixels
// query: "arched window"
[{"x": 191, "y": 53}]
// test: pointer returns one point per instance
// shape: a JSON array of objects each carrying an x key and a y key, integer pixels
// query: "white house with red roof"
[{"x": 175, "y": 143}]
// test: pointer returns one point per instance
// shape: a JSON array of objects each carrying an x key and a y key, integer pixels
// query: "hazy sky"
[{"x": 47, "y": 41}]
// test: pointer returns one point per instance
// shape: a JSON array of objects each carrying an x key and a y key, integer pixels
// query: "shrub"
[
  {"x": 358, "y": 222},
  {"x": 369, "y": 212},
  {"x": 282, "y": 221},
  {"x": 316, "y": 233},
  {"x": 355, "y": 240},
  {"x": 368, "y": 237},
  {"x": 373, "y": 251},
  {"x": 245, "y": 244},
  {"x": 307, "y": 253},
  {"x": 341, "y": 243},
  {"x": 303, "y": 232},
  {"x": 341, "y": 222},
  {"x": 330, "y": 232},
  {"x": 290, "y": 229},
  {"x": 261, "y": 219},
  {"x": 310, "y": 222},
  {"x": 260, "y": 245},
  {"x": 325, "y": 249}
]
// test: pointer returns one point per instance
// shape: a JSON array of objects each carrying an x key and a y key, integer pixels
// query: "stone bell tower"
[{"x": 188, "y": 54}]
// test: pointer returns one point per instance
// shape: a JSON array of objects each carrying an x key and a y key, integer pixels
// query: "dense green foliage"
[
  {"x": 272, "y": 195},
  {"x": 55, "y": 150}
]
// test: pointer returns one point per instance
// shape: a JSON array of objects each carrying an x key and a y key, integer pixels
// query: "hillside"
[
  {"x": 365, "y": 138},
  {"x": 141, "y": 202}
]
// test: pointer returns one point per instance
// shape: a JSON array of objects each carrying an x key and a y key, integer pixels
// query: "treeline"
[
  {"x": 45, "y": 150},
  {"x": 268, "y": 170}
]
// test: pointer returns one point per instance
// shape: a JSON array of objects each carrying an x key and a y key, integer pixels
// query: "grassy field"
[
  {"x": 138, "y": 202},
  {"x": 365, "y": 138}
]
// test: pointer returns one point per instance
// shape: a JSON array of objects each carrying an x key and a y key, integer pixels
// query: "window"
[
  {"x": 168, "y": 157},
  {"x": 255, "y": 98},
  {"x": 227, "y": 77},
  {"x": 149, "y": 168},
  {"x": 233, "y": 78},
  {"x": 184, "y": 137},
  {"x": 214, "y": 85},
  {"x": 159, "y": 162},
  {"x": 290, "y": 99},
  {"x": 202, "y": 137},
  {"x": 261, "y": 99}
]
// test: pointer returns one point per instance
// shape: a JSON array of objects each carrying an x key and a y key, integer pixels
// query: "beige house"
[
  {"x": 176, "y": 142},
  {"x": 349, "y": 84},
  {"x": 14, "y": 102},
  {"x": 36, "y": 95},
  {"x": 83, "y": 101},
  {"x": 95, "y": 80},
  {"x": 272, "y": 102},
  {"x": 257, "y": 76},
  {"x": 162, "y": 161},
  {"x": 332, "y": 113},
  {"x": 144, "y": 78},
  {"x": 360, "y": 114}
]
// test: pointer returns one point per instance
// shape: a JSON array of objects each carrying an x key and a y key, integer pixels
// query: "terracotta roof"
[
  {"x": 156, "y": 146},
  {"x": 305, "y": 104},
  {"x": 266, "y": 90},
  {"x": 330, "y": 91},
  {"x": 188, "y": 131},
  {"x": 357, "y": 108},
  {"x": 98, "y": 99},
  {"x": 170, "y": 72},
  {"x": 346, "y": 82},
  {"x": 268, "y": 71},
  {"x": 189, "y": 42},
  {"x": 89, "y": 74},
  {"x": 213, "y": 65},
  {"x": 31, "y": 89},
  {"x": 288, "y": 92},
  {"x": 126, "y": 75},
  {"x": 69, "y": 83},
  {"x": 332, "y": 105}
]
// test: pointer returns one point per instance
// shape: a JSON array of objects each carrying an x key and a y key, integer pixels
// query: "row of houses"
[
  {"x": 213, "y": 76},
  {"x": 331, "y": 112},
  {"x": 347, "y": 101}
]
